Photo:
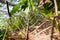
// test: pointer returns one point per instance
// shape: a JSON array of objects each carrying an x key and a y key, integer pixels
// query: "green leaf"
[{"x": 15, "y": 8}]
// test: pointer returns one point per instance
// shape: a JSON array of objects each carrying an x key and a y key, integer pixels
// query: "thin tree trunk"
[
  {"x": 9, "y": 21},
  {"x": 55, "y": 19},
  {"x": 9, "y": 13}
]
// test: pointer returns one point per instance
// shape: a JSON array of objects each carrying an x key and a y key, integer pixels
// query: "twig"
[
  {"x": 44, "y": 30},
  {"x": 41, "y": 2},
  {"x": 40, "y": 25}
]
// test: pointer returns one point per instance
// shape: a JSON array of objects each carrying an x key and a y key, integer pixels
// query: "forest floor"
[
  {"x": 42, "y": 32},
  {"x": 42, "y": 36}
]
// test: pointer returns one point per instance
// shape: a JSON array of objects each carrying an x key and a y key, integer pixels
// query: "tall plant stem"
[{"x": 27, "y": 38}]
